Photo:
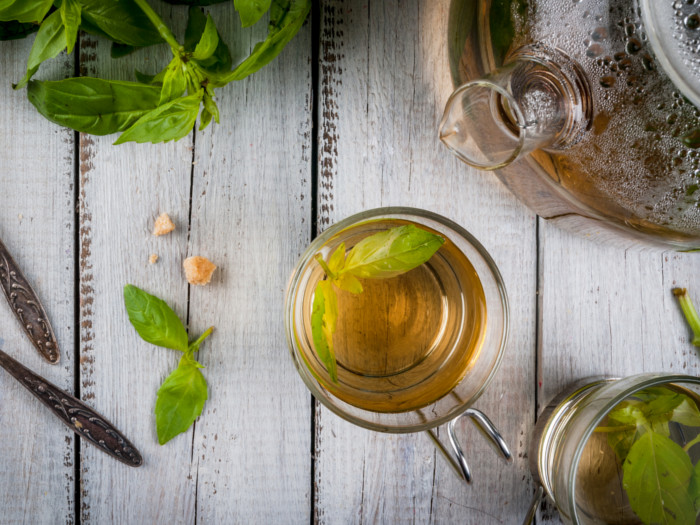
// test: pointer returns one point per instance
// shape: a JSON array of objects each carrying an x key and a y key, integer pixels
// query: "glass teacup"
[{"x": 413, "y": 351}]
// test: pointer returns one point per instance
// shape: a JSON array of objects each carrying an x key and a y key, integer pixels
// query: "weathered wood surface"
[
  {"x": 37, "y": 475},
  {"x": 241, "y": 193},
  {"x": 384, "y": 82}
]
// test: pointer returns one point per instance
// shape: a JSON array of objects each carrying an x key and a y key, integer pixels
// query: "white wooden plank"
[
  {"x": 36, "y": 223},
  {"x": 384, "y": 82},
  {"x": 251, "y": 215},
  {"x": 122, "y": 190},
  {"x": 610, "y": 311}
]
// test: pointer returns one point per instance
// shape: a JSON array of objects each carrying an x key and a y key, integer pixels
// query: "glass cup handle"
[
  {"x": 532, "y": 510},
  {"x": 486, "y": 427}
]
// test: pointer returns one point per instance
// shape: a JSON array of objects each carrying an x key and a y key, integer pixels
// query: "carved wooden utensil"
[
  {"x": 82, "y": 419},
  {"x": 27, "y": 307}
]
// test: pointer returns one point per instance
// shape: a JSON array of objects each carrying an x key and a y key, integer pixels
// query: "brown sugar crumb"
[
  {"x": 153, "y": 258},
  {"x": 198, "y": 270},
  {"x": 163, "y": 225}
]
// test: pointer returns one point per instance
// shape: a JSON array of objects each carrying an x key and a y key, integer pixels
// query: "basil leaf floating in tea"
[
  {"x": 324, "y": 318},
  {"x": 382, "y": 255},
  {"x": 656, "y": 477},
  {"x": 182, "y": 395},
  {"x": 690, "y": 313},
  {"x": 391, "y": 252}
]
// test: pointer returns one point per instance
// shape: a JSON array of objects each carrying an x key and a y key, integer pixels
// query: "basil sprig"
[
  {"x": 185, "y": 87},
  {"x": 383, "y": 255},
  {"x": 182, "y": 395},
  {"x": 691, "y": 314},
  {"x": 661, "y": 483}
]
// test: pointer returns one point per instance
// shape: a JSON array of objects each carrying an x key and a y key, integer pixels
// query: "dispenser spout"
[{"x": 540, "y": 99}]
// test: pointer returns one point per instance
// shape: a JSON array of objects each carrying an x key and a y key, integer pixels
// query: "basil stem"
[
  {"x": 157, "y": 21},
  {"x": 690, "y": 313}
]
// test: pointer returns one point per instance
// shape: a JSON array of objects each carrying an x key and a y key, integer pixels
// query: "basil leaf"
[
  {"x": 656, "y": 475},
  {"x": 70, "y": 16},
  {"x": 220, "y": 61},
  {"x": 154, "y": 320},
  {"x": 694, "y": 487},
  {"x": 24, "y": 10},
  {"x": 15, "y": 30},
  {"x": 286, "y": 19},
  {"x": 251, "y": 11},
  {"x": 180, "y": 399},
  {"x": 687, "y": 413},
  {"x": 119, "y": 20},
  {"x": 337, "y": 260},
  {"x": 211, "y": 110},
  {"x": 118, "y": 50},
  {"x": 49, "y": 42},
  {"x": 171, "y": 121},
  {"x": 391, "y": 252},
  {"x": 174, "y": 81},
  {"x": 195, "y": 2},
  {"x": 349, "y": 283},
  {"x": 208, "y": 43},
  {"x": 93, "y": 105},
  {"x": 324, "y": 317}
]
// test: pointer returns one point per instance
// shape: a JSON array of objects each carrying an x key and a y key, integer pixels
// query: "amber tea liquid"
[{"x": 407, "y": 341}]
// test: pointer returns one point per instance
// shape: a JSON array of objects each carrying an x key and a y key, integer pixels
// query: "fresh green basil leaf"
[
  {"x": 220, "y": 61},
  {"x": 49, "y": 42},
  {"x": 391, "y": 252},
  {"x": 118, "y": 50},
  {"x": 251, "y": 11},
  {"x": 324, "y": 318},
  {"x": 208, "y": 43},
  {"x": 26, "y": 11},
  {"x": 196, "y": 22},
  {"x": 70, "y": 16},
  {"x": 694, "y": 487},
  {"x": 656, "y": 476},
  {"x": 93, "y": 105},
  {"x": 211, "y": 110},
  {"x": 286, "y": 19},
  {"x": 119, "y": 20},
  {"x": 195, "y": 2},
  {"x": 337, "y": 260},
  {"x": 154, "y": 320},
  {"x": 15, "y": 30},
  {"x": 171, "y": 121},
  {"x": 621, "y": 441},
  {"x": 174, "y": 81},
  {"x": 687, "y": 413},
  {"x": 180, "y": 400},
  {"x": 349, "y": 283}
]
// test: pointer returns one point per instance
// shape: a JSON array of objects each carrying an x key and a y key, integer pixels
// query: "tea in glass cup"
[{"x": 412, "y": 350}]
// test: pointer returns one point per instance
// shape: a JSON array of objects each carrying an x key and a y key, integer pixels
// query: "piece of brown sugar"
[
  {"x": 198, "y": 270},
  {"x": 163, "y": 225}
]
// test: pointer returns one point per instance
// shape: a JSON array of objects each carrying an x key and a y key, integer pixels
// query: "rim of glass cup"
[
  {"x": 395, "y": 212},
  {"x": 638, "y": 382}
]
